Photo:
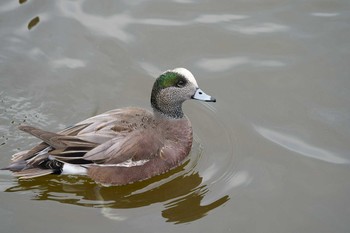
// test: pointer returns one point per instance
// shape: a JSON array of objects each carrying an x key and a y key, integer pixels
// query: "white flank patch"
[
  {"x": 127, "y": 163},
  {"x": 71, "y": 169},
  {"x": 187, "y": 74}
]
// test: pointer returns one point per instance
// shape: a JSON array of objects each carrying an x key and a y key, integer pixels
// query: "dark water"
[{"x": 272, "y": 155}]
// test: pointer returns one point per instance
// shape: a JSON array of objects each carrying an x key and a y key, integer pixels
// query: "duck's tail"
[
  {"x": 32, "y": 173},
  {"x": 24, "y": 169},
  {"x": 35, "y": 162},
  {"x": 50, "y": 156}
]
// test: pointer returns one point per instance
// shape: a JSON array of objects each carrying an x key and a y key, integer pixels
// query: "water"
[{"x": 272, "y": 155}]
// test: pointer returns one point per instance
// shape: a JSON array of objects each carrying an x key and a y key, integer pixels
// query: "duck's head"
[{"x": 172, "y": 88}]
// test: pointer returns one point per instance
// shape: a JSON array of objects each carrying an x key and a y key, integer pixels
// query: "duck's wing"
[
  {"x": 138, "y": 145},
  {"x": 57, "y": 141},
  {"x": 71, "y": 144},
  {"x": 136, "y": 157}
]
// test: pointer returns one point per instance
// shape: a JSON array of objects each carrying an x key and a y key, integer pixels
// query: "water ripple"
[
  {"x": 160, "y": 22},
  {"x": 115, "y": 25},
  {"x": 208, "y": 18},
  {"x": 68, "y": 62},
  {"x": 325, "y": 14},
  {"x": 223, "y": 64},
  {"x": 10, "y": 6},
  {"x": 217, "y": 166},
  {"x": 111, "y": 26},
  {"x": 259, "y": 28},
  {"x": 299, "y": 146}
]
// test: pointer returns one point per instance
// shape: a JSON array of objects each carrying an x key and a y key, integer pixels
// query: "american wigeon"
[{"x": 120, "y": 146}]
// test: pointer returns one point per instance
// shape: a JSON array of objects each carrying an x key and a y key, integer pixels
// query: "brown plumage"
[{"x": 120, "y": 146}]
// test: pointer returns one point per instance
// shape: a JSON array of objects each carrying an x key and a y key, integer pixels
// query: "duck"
[{"x": 120, "y": 146}]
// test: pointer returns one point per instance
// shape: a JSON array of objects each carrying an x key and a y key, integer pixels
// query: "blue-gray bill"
[{"x": 200, "y": 95}]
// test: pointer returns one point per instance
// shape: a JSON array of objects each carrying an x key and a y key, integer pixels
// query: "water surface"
[{"x": 272, "y": 155}]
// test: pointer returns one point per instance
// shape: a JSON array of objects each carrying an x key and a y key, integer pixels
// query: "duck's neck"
[
  {"x": 175, "y": 112},
  {"x": 165, "y": 106}
]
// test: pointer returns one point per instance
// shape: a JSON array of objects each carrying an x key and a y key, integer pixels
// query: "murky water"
[{"x": 272, "y": 155}]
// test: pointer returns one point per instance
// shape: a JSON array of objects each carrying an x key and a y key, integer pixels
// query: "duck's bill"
[{"x": 200, "y": 95}]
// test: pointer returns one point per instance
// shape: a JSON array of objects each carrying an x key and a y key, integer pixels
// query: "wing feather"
[{"x": 111, "y": 137}]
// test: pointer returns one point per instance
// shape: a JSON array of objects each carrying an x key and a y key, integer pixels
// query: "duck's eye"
[{"x": 180, "y": 83}]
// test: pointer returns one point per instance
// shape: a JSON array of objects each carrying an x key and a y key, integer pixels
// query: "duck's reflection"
[{"x": 181, "y": 194}]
